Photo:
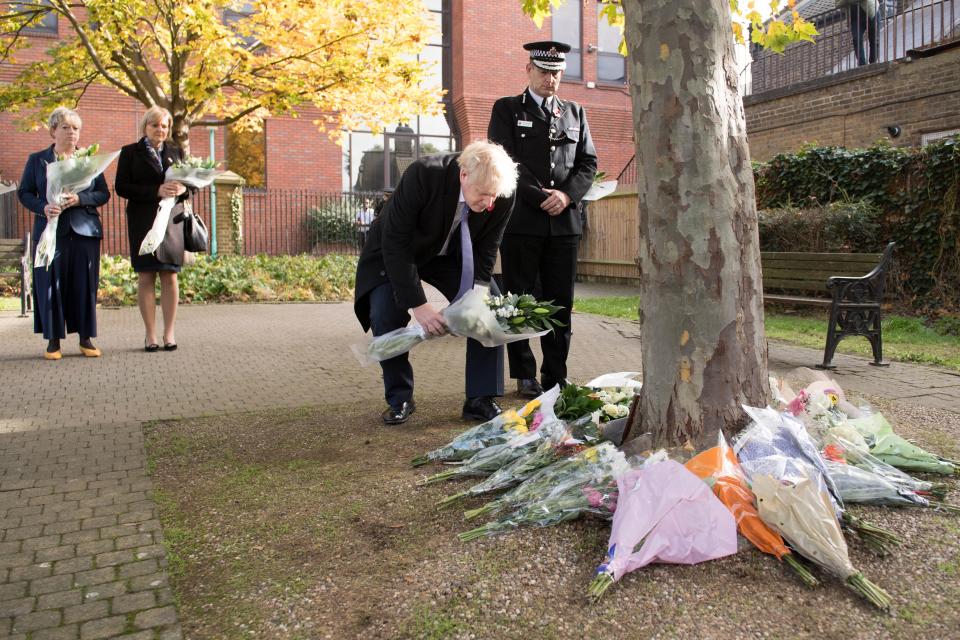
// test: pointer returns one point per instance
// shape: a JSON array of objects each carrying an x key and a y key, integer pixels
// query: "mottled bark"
[{"x": 701, "y": 309}]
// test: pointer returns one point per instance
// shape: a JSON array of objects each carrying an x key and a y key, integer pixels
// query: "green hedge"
[
  {"x": 241, "y": 279},
  {"x": 915, "y": 192},
  {"x": 845, "y": 227}
]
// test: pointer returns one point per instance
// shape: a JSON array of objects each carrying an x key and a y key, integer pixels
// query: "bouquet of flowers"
[
  {"x": 489, "y": 460},
  {"x": 587, "y": 485},
  {"x": 779, "y": 446},
  {"x": 597, "y": 496},
  {"x": 192, "y": 172},
  {"x": 492, "y": 321},
  {"x": 664, "y": 514},
  {"x": 520, "y": 469},
  {"x": 897, "y": 451},
  {"x": 68, "y": 175},
  {"x": 719, "y": 468},
  {"x": 802, "y": 512},
  {"x": 500, "y": 429}
]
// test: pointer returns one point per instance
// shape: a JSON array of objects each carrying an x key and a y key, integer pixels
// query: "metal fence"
[
  {"x": 295, "y": 221},
  {"x": 899, "y": 33},
  {"x": 16, "y": 220}
]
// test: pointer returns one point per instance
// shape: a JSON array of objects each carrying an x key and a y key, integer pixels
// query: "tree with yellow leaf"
[
  {"x": 228, "y": 61},
  {"x": 701, "y": 297}
]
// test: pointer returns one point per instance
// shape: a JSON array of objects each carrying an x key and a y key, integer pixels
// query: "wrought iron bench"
[
  {"x": 854, "y": 299},
  {"x": 17, "y": 252}
]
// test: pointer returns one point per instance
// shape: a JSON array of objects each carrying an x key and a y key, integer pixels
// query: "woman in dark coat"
[
  {"x": 140, "y": 179},
  {"x": 65, "y": 295}
]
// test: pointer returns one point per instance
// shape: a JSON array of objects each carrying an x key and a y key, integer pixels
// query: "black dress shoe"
[
  {"x": 399, "y": 414},
  {"x": 482, "y": 408},
  {"x": 529, "y": 388}
]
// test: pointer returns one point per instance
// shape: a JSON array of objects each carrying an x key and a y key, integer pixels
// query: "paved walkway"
[{"x": 81, "y": 553}]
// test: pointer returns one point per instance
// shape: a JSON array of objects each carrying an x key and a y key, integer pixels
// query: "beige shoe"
[
  {"x": 52, "y": 355},
  {"x": 91, "y": 353}
]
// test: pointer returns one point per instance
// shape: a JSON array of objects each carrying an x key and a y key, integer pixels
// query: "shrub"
[
  {"x": 334, "y": 221},
  {"x": 241, "y": 279},
  {"x": 846, "y": 227}
]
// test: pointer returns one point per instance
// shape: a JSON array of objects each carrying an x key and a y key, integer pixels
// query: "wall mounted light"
[{"x": 894, "y": 130}]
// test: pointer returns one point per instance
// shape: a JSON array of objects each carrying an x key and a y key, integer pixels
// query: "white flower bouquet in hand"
[
  {"x": 192, "y": 172},
  {"x": 490, "y": 320},
  {"x": 68, "y": 175}
]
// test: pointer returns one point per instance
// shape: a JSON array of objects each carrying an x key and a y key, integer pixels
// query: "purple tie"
[{"x": 466, "y": 253}]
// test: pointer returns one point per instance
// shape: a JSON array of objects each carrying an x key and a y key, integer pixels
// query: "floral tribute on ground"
[{"x": 782, "y": 484}]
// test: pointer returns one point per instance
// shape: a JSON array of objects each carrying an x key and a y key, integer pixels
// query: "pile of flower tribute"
[{"x": 782, "y": 485}]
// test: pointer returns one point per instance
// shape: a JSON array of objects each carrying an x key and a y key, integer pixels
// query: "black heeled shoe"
[
  {"x": 170, "y": 346},
  {"x": 151, "y": 348}
]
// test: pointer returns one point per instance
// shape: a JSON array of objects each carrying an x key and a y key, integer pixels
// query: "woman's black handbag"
[{"x": 195, "y": 235}]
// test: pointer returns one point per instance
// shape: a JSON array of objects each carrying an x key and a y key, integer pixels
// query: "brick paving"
[{"x": 81, "y": 549}]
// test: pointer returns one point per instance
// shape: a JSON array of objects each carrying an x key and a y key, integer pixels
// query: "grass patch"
[
  {"x": 9, "y": 304},
  {"x": 905, "y": 339}
]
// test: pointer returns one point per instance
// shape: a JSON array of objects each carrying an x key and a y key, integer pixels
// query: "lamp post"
[{"x": 213, "y": 196}]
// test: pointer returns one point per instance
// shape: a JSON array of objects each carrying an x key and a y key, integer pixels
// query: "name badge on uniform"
[
  {"x": 524, "y": 123},
  {"x": 577, "y": 129}
]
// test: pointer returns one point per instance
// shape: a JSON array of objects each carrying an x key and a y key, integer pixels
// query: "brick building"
[{"x": 480, "y": 59}]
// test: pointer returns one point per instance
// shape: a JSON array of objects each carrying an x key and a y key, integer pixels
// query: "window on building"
[
  {"x": 566, "y": 28},
  {"x": 46, "y": 25},
  {"x": 611, "y": 66},
  {"x": 247, "y": 155},
  {"x": 373, "y": 162}
]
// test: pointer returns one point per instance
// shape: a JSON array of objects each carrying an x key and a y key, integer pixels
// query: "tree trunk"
[
  {"x": 701, "y": 304},
  {"x": 181, "y": 133}
]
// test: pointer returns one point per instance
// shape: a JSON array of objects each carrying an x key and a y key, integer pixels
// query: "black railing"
[
  {"x": 292, "y": 221},
  {"x": 918, "y": 25}
]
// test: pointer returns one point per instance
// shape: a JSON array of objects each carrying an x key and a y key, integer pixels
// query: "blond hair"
[
  {"x": 59, "y": 115},
  {"x": 153, "y": 114},
  {"x": 487, "y": 164}
]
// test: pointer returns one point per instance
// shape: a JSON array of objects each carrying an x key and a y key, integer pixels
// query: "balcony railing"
[{"x": 918, "y": 25}]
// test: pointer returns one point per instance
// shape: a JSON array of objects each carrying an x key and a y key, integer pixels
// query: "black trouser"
[
  {"x": 484, "y": 366},
  {"x": 65, "y": 295},
  {"x": 860, "y": 23},
  {"x": 552, "y": 261}
]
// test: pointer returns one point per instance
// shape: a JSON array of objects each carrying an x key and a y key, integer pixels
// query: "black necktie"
[{"x": 546, "y": 108}]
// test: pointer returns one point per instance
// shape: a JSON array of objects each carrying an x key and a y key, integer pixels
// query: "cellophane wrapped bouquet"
[
  {"x": 192, "y": 172},
  {"x": 68, "y": 175}
]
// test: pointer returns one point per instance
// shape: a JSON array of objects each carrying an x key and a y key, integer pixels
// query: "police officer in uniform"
[{"x": 550, "y": 139}]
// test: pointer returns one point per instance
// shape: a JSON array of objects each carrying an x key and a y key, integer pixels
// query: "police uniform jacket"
[
  {"x": 412, "y": 227},
  {"x": 559, "y": 155}
]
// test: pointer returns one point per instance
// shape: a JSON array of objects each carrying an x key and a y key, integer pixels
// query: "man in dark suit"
[
  {"x": 419, "y": 237},
  {"x": 550, "y": 139}
]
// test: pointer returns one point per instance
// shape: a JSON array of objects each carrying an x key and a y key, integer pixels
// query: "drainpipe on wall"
[{"x": 213, "y": 196}]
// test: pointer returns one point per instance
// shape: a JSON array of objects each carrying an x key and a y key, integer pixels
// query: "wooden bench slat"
[
  {"x": 819, "y": 302},
  {"x": 814, "y": 257}
]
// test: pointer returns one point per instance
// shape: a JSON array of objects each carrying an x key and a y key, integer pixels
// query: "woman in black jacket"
[
  {"x": 140, "y": 179},
  {"x": 65, "y": 294}
]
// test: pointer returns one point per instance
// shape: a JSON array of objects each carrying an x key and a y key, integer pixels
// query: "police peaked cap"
[{"x": 549, "y": 55}]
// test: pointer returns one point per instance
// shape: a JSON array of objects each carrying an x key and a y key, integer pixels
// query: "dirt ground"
[{"x": 310, "y": 524}]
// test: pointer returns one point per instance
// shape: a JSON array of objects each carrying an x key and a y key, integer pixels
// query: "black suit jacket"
[
  {"x": 83, "y": 218},
  {"x": 559, "y": 155},
  {"x": 412, "y": 227},
  {"x": 138, "y": 180}
]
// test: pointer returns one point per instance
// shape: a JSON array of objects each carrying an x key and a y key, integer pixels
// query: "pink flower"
[
  {"x": 798, "y": 404},
  {"x": 537, "y": 421}
]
